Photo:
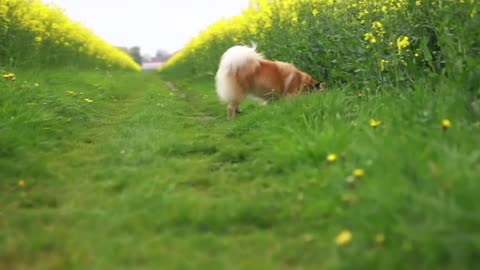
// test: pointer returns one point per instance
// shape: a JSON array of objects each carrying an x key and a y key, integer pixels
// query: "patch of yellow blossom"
[
  {"x": 358, "y": 173},
  {"x": 48, "y": 22},
  {"x": 22, "y": 183},
  {"x": 383, "y": 63},
  {"x": 374, "y": 123},
  {"x": 369, "y": 37},
  {"x": 343, "y": 238},
  {"x": 402, "y": 42},
  {"x": 9, "y": 76},
  {"x": 446, "y": 124},
  {"x": 331, "y": 158}
]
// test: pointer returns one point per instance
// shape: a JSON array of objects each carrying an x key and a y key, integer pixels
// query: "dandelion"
[
  {"x": 374, "y": 123},
  {"x": 343, "y": 238},
  {"x": 331, "y": 158},
  {"x": 88, "y": 100},
  {"x": 358, "y": 173},
  {"x": 9, "y": 76},
  {"x": 380, "y": 238},
  {"x": 22, "y": 183},
  {"x": 350, "y": 180},
  {"x": 446, "y": 124}
]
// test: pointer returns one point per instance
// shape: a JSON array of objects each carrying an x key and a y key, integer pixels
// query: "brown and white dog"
[{"x": 245, "y": 72}]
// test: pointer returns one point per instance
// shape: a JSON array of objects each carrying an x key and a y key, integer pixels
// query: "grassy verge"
[{"x": 146, "y": 178}]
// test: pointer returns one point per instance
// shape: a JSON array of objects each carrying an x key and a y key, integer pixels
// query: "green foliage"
[{"x": 350, "y": 42}]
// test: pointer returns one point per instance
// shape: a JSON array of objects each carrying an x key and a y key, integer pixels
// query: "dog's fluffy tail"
[{"x": 238, "y": 62}]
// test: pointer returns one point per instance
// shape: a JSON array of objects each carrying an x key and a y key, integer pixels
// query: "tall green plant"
[{"x": 359, "y": 42}]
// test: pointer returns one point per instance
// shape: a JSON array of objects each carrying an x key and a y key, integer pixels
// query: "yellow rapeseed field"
[{"x": 30, "y": 27}]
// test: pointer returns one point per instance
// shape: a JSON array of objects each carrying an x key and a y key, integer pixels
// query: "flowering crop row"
[
  {"x": 33, "y": 33},
  {"x": 362, "y": 42}
]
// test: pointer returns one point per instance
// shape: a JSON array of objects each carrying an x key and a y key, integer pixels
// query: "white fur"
[{"x": 234, "y": 59}]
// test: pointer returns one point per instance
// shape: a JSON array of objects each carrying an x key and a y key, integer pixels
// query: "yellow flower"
[
  {"x": 377, "y": 25},
  {"x": 88, "y": 100},
  {"x": 418, "y": 3},
  {"x": 358, "y": 173},
  {"x": 36, "y": 85},
  {"x": 367, "y": 36},
  {"x": 446, "y": 124},
  {"x": 383, "y": 62},
  {"x": 9, "y": 76},
  {"x": 38, "y": 39},
  {"x": 417, "y": 55},
  {"x": 402, "y": 42},
  {"x": 380, "y": 238},
  {"x": 71, "y": 92},
  {"x": 22, "y": 183},
  {"x": 331, "y": 158},
  {"x": 374, "y": 123},
  {"x": 315, "y": 12},
  {"x": 343, "y": 238},
  {"x": 294, "y": 17}
]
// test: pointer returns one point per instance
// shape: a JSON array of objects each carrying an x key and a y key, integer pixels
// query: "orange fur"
[{"x": 244, "y": 72}]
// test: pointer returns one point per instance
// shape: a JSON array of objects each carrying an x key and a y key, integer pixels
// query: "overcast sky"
[{"x": 150, "y": 24}]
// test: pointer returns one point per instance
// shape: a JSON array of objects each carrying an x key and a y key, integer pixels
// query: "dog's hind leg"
[{"x": 232, "y": 109}]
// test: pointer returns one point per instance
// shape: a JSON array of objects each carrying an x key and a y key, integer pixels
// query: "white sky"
[{"x": 150, "y": 24}]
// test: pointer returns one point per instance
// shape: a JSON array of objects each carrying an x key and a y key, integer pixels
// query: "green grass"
[{"x": 145, "y": 178}]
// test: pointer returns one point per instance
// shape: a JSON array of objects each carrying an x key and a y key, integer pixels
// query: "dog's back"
[{"x": 236, "y": 65}]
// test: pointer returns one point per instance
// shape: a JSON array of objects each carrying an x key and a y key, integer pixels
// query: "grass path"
[{"x": 149, "y": 178}]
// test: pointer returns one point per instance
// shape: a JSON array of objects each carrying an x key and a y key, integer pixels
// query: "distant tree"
[
  {"x": 162, "y": 55},
  {"x": 146, "y": 58},
  {"x": 134, "y": 52}
]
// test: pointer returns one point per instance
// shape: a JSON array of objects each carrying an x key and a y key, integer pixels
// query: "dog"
[{"x": 244, "y": 72}]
